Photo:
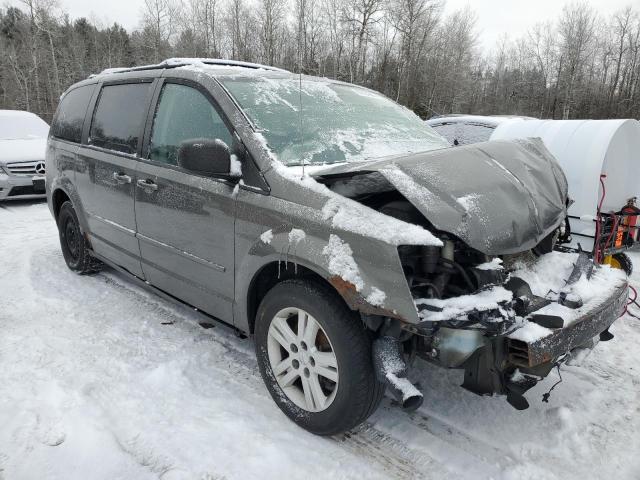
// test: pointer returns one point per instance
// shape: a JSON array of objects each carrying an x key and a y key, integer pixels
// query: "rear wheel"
[
  {"x": 75, "y": 249},
  {"x": 315, "y": 358}
]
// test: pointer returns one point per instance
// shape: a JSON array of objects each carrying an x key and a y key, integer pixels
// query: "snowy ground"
[{"x": 102, "y": 380}]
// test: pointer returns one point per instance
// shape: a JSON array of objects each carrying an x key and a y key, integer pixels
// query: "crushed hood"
[{"x": 498, "y": 197}]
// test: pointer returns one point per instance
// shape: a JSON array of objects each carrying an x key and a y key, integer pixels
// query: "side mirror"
[{"x": 205, "y": 157}]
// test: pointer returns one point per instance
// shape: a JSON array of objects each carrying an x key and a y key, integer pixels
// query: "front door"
[
  {"x": 106, "y": 179},
  {"x": 185, "y": 222}
]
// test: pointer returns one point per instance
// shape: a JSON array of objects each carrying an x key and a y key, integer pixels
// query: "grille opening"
[
  {"x": 518, "y": 352},
  {"x": 23, "y": 168}
]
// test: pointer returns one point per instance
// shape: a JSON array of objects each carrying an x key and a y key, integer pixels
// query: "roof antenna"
[{"x": 301, "y": 6}]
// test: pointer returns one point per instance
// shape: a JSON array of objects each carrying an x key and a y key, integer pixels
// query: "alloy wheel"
[{"x": 302, "y": 359}]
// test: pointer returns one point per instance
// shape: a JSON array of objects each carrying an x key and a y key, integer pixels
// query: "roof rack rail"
[{"x": 183, "y": 62}]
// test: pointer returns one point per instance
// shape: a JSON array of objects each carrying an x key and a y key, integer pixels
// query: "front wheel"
[{"x": 315, "y": 358}]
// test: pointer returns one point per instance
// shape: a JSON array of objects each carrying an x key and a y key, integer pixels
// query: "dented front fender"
[{"x": 364, "y": 271}]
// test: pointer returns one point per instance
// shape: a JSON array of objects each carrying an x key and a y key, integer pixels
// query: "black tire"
[
  {"x": 75, "y": 248},
  {"x": 358, "y": 392},
  {"x": 624, "y": 263}
]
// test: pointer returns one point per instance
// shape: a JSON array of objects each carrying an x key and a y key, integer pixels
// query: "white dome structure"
[{"x": 586, "y": 149}]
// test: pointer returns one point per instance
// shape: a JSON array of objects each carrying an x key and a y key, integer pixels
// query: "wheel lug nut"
[
  {"x": 294, "y": 348},
  {"x": 306, "y": 372},
  {"x": 295, "y": 364},
  {"x": 312, "y": 362},
  {"x": 303, "y": 345}
]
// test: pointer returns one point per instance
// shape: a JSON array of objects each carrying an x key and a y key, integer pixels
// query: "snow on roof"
[{"x": 199, "y": 62}]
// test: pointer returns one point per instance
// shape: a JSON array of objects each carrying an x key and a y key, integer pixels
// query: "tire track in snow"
[{"x": 392, "y": 455}]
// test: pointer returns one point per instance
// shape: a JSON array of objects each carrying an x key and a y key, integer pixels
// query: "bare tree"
[
  {"x": 577, "y": 25},
  {"x": 579, "y": 65},
  {"x": 159, "y": 19},
  {"x": 272, "y": 16}
]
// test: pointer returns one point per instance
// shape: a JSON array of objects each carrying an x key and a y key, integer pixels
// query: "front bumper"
[
  {"x": 564, "y": 340},
  {"x": 21, "y": 186},
  {"x": 507, "y": 347}
]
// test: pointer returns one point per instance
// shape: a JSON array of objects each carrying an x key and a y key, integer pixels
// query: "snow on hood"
[
  {"x": 22, "y": 150},
  {"x": 497, "y": 197}
]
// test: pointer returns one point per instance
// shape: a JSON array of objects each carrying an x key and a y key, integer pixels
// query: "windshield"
[
  {"x": 325, "y": 122},
  {"x": 22, "y": 126}
]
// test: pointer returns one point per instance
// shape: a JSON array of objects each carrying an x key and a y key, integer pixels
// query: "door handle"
[
  {"x": 147, "y": 184},
  {"x": 121, "y": 177}
]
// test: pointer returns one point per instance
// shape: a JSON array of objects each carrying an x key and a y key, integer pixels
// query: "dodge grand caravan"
[{"x": 331, "y": 224}]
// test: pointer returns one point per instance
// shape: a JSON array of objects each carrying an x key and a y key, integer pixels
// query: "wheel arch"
[
  {"x": 58, "y": 197},
  {"x": 275, "y": 272}
]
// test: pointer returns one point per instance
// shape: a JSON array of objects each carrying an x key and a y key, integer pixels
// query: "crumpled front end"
[
  {"x": 490, "y": 296},
  {"x": 531, "y": 314}
]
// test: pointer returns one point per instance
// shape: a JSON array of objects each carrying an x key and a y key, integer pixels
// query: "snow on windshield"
[
  {"x": 21, "y": 125},
  {"x": 316, "y": 121}
]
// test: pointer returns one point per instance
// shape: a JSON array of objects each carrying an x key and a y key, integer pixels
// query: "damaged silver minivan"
[{"x": 331, "y": 224}]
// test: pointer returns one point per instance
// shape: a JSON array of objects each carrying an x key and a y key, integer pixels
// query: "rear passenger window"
[
  {"x": 473, "y": 133},
  {"x": 71, "y": 111},
  {"x": 117, "y": 120},
  {"x": 183, "y": 113}
]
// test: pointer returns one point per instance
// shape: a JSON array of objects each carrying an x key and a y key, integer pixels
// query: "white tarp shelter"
[{"x": 586, "y": 149}]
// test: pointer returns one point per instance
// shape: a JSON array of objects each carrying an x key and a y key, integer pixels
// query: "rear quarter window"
[
  {"x": 464, "y": 133},
  {"x": 117, "y": 121},
  {"x": 69, "y": 119}
]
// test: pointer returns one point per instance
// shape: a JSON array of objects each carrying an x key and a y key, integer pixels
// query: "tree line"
[{"x": 580, "y": 65}]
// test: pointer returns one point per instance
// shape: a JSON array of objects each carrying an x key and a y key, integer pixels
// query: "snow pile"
[
  {"x": 459, "y": 307},
  {"x": 357, "y": 218},
  {"x": 341, "y": 262},
  {"x": 296, "y": 236},
  {"x": 376, "y": 297},
  {"x": 530, "y": 332},
  {"x": 267, "y": 236},
  {"x": 494, "y": 264}
]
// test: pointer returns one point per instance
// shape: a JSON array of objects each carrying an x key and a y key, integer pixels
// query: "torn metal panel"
[{"x": 356, "y": 301}]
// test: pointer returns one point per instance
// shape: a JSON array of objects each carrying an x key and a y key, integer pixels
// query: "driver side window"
[{"x": 183, "y": 113}]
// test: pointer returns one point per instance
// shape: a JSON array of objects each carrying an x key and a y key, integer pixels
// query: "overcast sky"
[
  {"x": 514, "y": 17},
  {"x": 495, "y": 17}
]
